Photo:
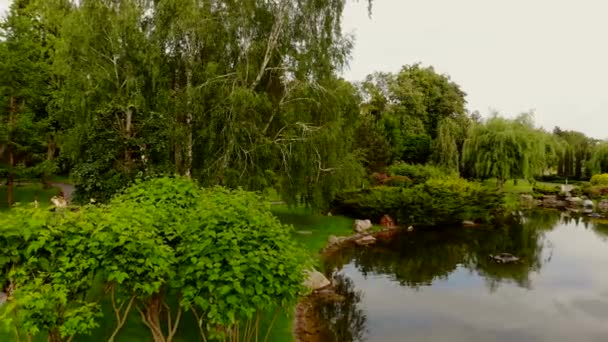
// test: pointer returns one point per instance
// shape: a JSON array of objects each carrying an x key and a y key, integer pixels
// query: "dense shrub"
[
  {"x": 546, "y": 189},
  {"x": 218, "y": 254},
  {"x": 601, "y": 179},
  {"x": 437, "y": 201},
  {"x": 596, "y": 192},
  {"x": 399, "y": 181},
  {"x": 416, "y": 172}
]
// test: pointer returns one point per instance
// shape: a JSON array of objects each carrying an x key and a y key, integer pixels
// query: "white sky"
[
  {"x": 547, "y": 55},
  {"x": 512, "y": 56}
]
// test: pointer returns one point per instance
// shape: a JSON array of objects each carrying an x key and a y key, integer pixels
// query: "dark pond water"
[{"x": 441, "y": 285}]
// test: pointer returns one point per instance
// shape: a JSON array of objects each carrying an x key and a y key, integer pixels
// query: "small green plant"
[
  {"x": 601, "y": 179},
  {"x": 416, "y": 172}
]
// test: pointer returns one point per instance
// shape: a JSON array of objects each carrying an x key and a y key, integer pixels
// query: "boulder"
[
  {"x": 410, "y": 228},
  {"x": 603, "y": 205},
  {"x": 362, "y": 226},
  {"x": 504, "y": 258},
  {"x": 387, "y": 222},
  {"x": 467, "y": 223},
  {"x": 526, "y": 199},
  {"x": 551, "y": 201},
  {"x": 315, "y": 280},
  {"x": 59, "y": 202},
  {"x": 366, "y": 240},
  {"x": 588, "y": 204},
  {"x": 574, "y": 201},
  {"x": 333, "y": 240}
]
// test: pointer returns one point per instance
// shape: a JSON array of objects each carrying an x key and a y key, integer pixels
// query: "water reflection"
[
  {"x": 346, "y": 319},
  {"x": 443, "y": 273},
  {"x": 418, "y": 258}
]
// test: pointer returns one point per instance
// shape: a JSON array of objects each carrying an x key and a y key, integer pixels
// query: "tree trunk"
[
  {"x": 11, "y": 156},
  {"x": 10, "y": 181},
  {"x": 54, "y": 336},
  {"x": 151, "y": 317},
  {"x": 128, "y": 125},
  {"x": 51, "y": 147},
  {"x": 189, "y": 119}
]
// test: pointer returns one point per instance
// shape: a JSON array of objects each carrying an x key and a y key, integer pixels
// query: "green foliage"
[
  {"x": 51, "y": 262},
  {"x": 601, "y": 179},
  {"x": 416, "y": 172},
  {"x": 545, "y": 189},
  {"x": 599, "y": 159},
  {"x": 24, "y": 77},
  {"x": 210, "y": 90},
  {"x": 596, "y": 192},
  {"x": 244, "y": 260},
  {"x": 508, "y": 149},
  {"x": 399, "y": 181},
  {"x": 219, "y": 254},
  {"x": 575, "y": 154},
  {"x": 222, "y": 252},
  {"x": 411, "y": 107},
  {"x": 437, "y": 201}
]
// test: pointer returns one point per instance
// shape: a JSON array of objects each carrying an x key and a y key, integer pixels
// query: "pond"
[{"x": 441, "y": 285}]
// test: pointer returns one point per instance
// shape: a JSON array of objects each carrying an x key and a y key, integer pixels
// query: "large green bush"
[
  {"x": 437, "y": 201},
  {"x": 601, "y": 179},
  {"x": 164, "y": 247},
  {"x": 416, "y": 172}
]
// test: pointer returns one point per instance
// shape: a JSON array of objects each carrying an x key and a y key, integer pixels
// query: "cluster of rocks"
[{"x": 570, "y": 203}]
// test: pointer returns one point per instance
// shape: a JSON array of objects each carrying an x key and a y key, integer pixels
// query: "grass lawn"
[
  {"x": 522, "y": 186},
  {"x": 25, "y": 194},
  {"x": 317, "y": 229}
]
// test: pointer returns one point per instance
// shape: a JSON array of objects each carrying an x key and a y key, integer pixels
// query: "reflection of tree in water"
[
  {"x": 418, "y": 258},
  {"x": 345, "y": 319}
]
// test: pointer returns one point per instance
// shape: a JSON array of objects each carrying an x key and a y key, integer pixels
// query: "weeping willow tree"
[
  {"x": 508, "y": 149},
  {"x": 447, "y": 146},
  {"x": 599, "y": 159}
]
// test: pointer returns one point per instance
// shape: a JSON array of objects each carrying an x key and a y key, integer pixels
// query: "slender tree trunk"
[
  {"x": 54, "y": 336},
  {"x": 150, "y": 316},
  {"x": 10, "y": 182},
  {"x": 121, "y": 315},
  {"x": 128, "y": 125},
  {"x": 11, "y": 156},
  {"x": 51, "y": 147},
  {"x": 189, "y": 123}
]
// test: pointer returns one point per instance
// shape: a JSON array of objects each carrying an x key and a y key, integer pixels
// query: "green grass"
[
  {"x": 25, "y": 194},
  {"x": 522, "y": 186},
  {"x": 319, "y": 226}
]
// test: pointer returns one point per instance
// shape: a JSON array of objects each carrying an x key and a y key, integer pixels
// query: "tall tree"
[
  {"x": 23, "y": 91},
  {"x": 234, "y": 93},
  {"x": 507, "y": 149},
  {"x": 410, "y": 105}
]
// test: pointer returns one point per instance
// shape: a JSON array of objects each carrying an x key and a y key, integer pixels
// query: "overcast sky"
[{"x": 512, "y": 56}]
